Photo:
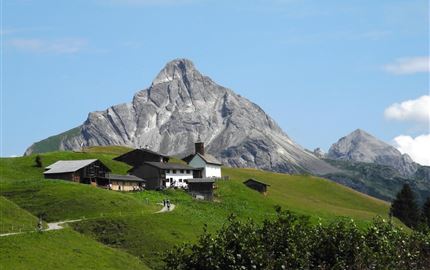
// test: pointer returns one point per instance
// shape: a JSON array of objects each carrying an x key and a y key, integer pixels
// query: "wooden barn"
[
  {"x": 94, "y": 172},
  {"x": 257, "y": 185},
  {"x": 85, "y": 171},
  {"x": 139, "y": 156},
  {"x": 201, "y": 188}
]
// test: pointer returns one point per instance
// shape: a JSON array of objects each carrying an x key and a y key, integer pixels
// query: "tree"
[
  {"x": 426, "y": 212},
  {"x": 405, "y": 207},
  {"x": 38, "y": 161}
]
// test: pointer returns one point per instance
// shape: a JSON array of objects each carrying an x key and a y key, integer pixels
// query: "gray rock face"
[
  {"x": 181, "y": 105},
  {"x": 362, "y": 147},
  {"x": 319, "y": 152}
]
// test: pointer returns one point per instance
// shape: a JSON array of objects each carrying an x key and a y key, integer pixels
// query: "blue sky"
[{"x": 320, "y": 68}]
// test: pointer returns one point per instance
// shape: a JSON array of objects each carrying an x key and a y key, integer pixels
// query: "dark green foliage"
[
  {"x": 426, "y": 212},
  {"x": 292, "y": 242},
  {"x": 38, "y": 161},
  {"x": 405, "y": 207}
]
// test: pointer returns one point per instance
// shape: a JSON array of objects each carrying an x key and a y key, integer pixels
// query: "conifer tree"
[
  {"x": 426, "y": 212},
  {"x": 405, "y": 207},
  {"x": 39, "y": 161}
]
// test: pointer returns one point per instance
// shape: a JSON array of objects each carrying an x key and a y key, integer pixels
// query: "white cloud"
[
  {"x": 67, "y": 45},
  {"x": 417, "y": 148},
  {"x": 409, "y": 65},
  {"x": 417, "y": 110}
]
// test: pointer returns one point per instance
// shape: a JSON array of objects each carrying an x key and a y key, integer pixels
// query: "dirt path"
[
  {"x": 52, "y": 226},
  {"x": 164, "y": 209}
]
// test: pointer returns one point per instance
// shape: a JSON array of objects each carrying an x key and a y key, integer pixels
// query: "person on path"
[
  {"x": 40, "y": 224},
  {"x": 168, "y": 205}
]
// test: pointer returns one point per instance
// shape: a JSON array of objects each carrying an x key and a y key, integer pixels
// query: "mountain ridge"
[{"x": 182, "y": 105}]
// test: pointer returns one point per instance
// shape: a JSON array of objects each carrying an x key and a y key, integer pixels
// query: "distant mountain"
[
  {"x": 360, "y": 146},
  {"x": 182, "y": 105},
  {"x": 374, "y": 167}
]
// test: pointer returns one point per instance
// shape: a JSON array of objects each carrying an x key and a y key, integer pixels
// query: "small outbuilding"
[
  {"x": 257, "y": 185},
  {"x": 122, "y": 182},
  {"x": 201, "y": 188}
]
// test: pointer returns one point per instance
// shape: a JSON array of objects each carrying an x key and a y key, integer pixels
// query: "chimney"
[{"x": 200, "y": 148}]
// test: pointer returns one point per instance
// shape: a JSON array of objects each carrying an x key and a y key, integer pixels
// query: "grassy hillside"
[
  {"x": 23, "y": 183},
  {"x": 63, "y": 249},
  {"x": 127, "y": 220},
  {"x": 13, "y": 218},
  {"x": 149, "y": 237},
  {"x": 53, "y": 143}
]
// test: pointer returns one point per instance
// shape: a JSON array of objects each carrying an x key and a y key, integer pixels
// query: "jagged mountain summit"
[
  {"x": 182, "y": 105},
  {"x": 360, "y": 146}
]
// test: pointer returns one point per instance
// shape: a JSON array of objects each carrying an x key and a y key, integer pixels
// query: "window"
[
  {"x": 174, "y": 171},
  {"x": 180, "y": 180},
  {"x": 188, "y": 171},
  {"x": 182, "y": 171},
  {"x": 167, "y": 171}
]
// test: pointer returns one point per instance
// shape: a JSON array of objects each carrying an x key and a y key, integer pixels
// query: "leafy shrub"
[{"x": 292, "y": 242}]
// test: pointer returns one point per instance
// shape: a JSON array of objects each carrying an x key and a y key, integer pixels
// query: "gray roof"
[
  {"x": 119, "y": 177},
  {"x": 168, "y": 166},
  {"x": 201, "y": 180},
  {"x": 256, "y": 181},
  {"x": 65, "y": 166},
  {"x": 210, "y": 159}
]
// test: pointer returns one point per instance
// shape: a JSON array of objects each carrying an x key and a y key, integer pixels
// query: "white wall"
[
  {"x": 209, "y": 170},
  {"x": 212, "y": 171},
  {"x": 175, "y": 178}
]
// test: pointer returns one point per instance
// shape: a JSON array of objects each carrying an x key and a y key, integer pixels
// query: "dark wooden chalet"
[
  {"x": 139, "y": 156},
  {"x": 257, "y": 185},
  {"x": 201, "y": 188},
  {"x": 81, "y": 171}
]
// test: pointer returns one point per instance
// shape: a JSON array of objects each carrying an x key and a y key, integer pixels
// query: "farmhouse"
[
  {"x": 94, "y": 172},
  {"x": 201, "y": 188},
  {"x": 257, "y": 185},
  {"x": 163, "y": 175},
  {"x": 139, "y": 156},
  {"x": 211, "y": 167},
  {"x": 85, "y": 171}
]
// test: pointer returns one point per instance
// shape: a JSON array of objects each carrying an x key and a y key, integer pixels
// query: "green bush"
[{"x": 292, "y": 242}]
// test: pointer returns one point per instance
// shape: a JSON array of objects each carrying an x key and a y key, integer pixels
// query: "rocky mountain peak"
[
  {"x": 178, "y": 69},
  {"x": 181, "y": 106},
  {"x": 361, "y": 146}
]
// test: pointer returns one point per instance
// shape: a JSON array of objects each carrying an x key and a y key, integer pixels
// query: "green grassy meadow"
[
  {"x": 65, "y": 249},
  {"x": 13, "y": 218},
  {"x": 127, "y": 222}
]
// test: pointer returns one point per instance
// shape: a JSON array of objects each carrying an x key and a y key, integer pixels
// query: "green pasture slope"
[
  {"x": 64, "y": 249},
  {"x": 13, "y": 218},
  {"x": 126, "y": 221}
]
